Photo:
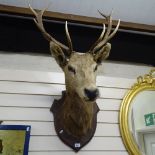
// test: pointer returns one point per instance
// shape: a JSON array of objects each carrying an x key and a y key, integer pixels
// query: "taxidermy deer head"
[{"x": 76, "y": 113}]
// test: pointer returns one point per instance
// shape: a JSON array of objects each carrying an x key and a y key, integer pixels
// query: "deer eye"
[
  {"x": 71, "y": 69},
  {"x": 95, "y": 69}
]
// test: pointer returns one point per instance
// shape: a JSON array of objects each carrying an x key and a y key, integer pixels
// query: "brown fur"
[
  {"x": 85, "y": 76},
  {"x": 76, "y": 115}
]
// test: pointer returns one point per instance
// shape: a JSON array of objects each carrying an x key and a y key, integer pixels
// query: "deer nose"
[{"x": 91, "y": 94}]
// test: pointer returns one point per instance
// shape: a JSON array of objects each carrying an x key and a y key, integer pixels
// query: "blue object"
[{"x": 27, "y": 130}]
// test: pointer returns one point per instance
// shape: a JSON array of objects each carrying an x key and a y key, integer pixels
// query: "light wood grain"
[
  {"x": 26, "y": 98},
  {"x": 58, "y": 78},
  {"x": 47, "y": 128},
  {"x": 45, "y": 101},
  {"x": 52, "y": 89},
  {"x": 77, "y": 18},
  {"x": 43, "y": 143},
  {"x": 81, "y": 153},
  {"x": 44, "y": 114}
]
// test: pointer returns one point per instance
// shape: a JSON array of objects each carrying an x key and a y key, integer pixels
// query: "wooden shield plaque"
[{"x": 75, "y": 143}]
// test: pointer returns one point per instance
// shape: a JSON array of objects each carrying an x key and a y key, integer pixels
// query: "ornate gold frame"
[{"x": 143, "y": 83}]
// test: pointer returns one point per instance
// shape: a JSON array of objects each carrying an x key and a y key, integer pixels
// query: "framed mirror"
[{"x": 137, "y": 116}]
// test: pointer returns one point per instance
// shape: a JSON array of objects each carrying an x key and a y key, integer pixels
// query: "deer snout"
[{"x": 92, "y": 94}]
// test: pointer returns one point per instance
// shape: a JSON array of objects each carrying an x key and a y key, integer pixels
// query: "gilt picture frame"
[{"x": 144, "y": 83}]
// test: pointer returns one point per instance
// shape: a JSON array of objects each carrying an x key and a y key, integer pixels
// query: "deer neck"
[
  {"x": 77, "y": 114},
  {"x": 76, "y": 103}
]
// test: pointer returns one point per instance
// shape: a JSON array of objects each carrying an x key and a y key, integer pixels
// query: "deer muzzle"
[{"x": 91, "y": 94}]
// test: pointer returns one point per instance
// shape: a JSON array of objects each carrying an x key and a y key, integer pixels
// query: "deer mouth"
[
  {"x": 91, "y": 95},
  {"x": 90, "y": 99}
]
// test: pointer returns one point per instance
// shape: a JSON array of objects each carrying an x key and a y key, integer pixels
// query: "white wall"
[
  {"x": 138, "y": 11},
  {"x": 28, "y": 88},
  {"x": 48, "y": 64}
]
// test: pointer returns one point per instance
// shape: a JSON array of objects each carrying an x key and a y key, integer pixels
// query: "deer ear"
[
  {"x": 103, "y": 53},
  {"x": 58, "y": 54}
]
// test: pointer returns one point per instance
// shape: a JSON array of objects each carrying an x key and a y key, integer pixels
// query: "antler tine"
[
  {"x": 107, "y": 36},
  {"x": 109, "y": 19},
  {"x": 102, "y": 14},
  {"x": 114, "y": 32},
  {"x": 68, "y": 37},
  {"x": 39, "y": 23},
  {"x": 99, "y": 39},
  {"x": 33, "y": 11}
]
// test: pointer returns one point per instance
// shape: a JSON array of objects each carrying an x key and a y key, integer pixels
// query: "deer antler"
[
  {"x": 38, "y": 21},
  {"x": 68, "y": 37},
  {"x": 104, "y": 37}
]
